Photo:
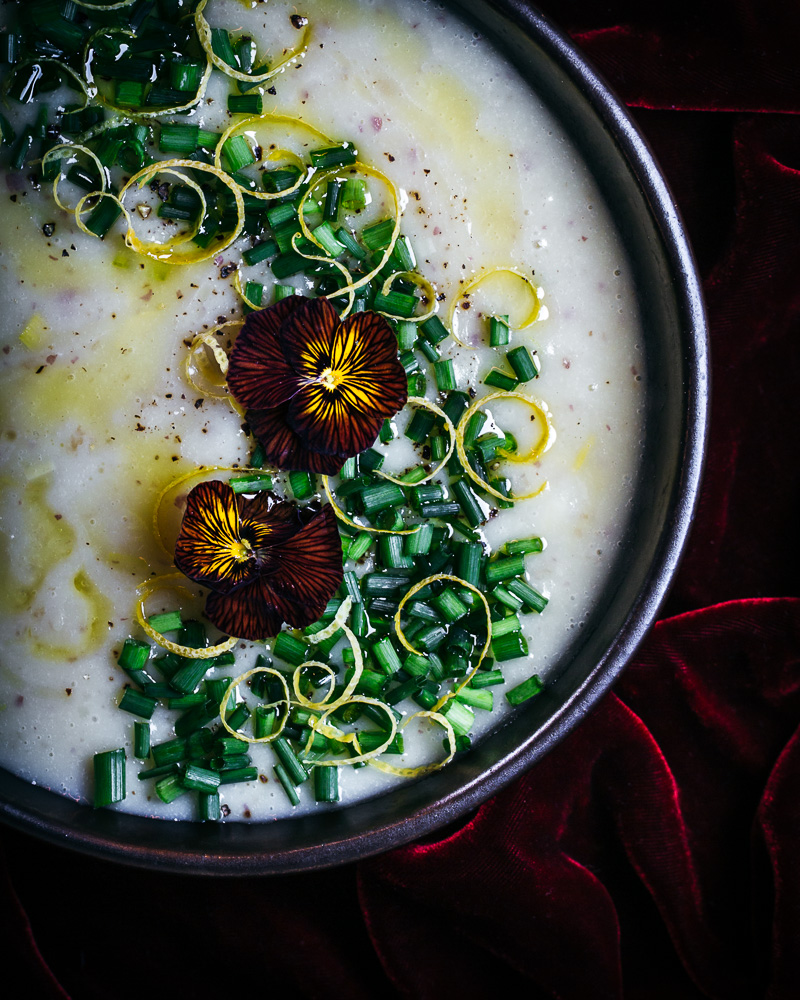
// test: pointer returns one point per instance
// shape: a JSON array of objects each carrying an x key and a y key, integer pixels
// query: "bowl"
[{"x": 675, "y": 429}]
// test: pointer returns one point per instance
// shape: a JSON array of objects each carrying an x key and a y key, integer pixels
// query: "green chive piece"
[
  {"x": 200, "y": 779},
  {"x": 419, "y": 544},
  {"x": 287, "y": 647},
  {"x": 302, "y": 485},
  {"x": 486, "y": 678},
  {"x": 237, "y": 153},
  {"x": 334, "y": 156},
  {"x": 523, "y": 364},
  {"x": 141, "y": 740},
  {"x": 109, "y": 777},
  {"x": 503, "y": 626},
  {"x": 170, "y": 788},
  {"x": 510, "y": 646},
  {"x": 524, "y": 545},
  {"x": 354, "y": 194},
  {"x": 288, "y": 787},
  {"x": 294, "y": 769},
  {"x": 505, "y": 569},
  {"x": 533, "y": 599},
  {"x": 527, "y": 689},
  {"x": 445, "y": 375},
  {"x": 476, "y": 698},
  {"x": 499, "y": 334},
  {"x": 210, "y": 810},
  {"x": 169, "y": 621},
  {"x": 326, "y": 784},
  {"x": 136, "y": 703},
  {"x": 460, "y": 716},
  {"x": 434, "y": 330},
  {"x": 240, "y": 774},
  {"x": 134, "y": 655},
  {"x": 245, "y": 104},
  {"x": 187, "y": 678},
  {"x": 179, "y": 138},
  {"x": 501, "y": 380}
]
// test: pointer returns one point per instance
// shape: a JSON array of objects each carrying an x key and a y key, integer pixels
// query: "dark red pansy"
[
  {"x": 316, "y": 389},
  {"x": 266, "y": 562}
]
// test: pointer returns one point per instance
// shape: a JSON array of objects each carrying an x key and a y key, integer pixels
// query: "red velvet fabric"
[{"x": 652, "y": 854}]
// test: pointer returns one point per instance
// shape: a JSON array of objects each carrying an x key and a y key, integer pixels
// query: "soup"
[{"x": 99, "y": 419}]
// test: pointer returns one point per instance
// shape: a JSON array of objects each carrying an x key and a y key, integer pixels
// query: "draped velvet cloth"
[{"x": 654, "y": 852}]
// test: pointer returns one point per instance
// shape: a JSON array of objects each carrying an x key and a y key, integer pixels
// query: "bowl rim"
[{"x": 216, "y": 850}]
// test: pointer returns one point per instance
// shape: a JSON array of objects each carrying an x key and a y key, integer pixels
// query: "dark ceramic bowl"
[{"x": 672, "y": 314}]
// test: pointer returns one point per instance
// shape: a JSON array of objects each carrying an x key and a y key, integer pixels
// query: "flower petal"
[
  {"x": 209, "y": 547},
  {"x": 341, "y": 412},
  {"x": 307, "y": 337},
  {"x": 284, "y": 449},
  {"x": 308, "y": 573},
  {"x": 258, "y": 374}
]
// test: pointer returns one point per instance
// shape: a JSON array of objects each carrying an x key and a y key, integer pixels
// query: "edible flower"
[
  {"x": 265, "y": 561},
  {"x": 316, "y": 389}
]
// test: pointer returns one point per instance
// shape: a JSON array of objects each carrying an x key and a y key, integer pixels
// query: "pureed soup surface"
[{"x": 98, "y": 417}]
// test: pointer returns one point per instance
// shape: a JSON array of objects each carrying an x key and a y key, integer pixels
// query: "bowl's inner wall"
[{"x": 601, "y": 647}]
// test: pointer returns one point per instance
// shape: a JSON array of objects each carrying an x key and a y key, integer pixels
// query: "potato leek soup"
[{"x": 321, "y": 400}]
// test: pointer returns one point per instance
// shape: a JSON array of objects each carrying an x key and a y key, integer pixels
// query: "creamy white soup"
[{"x": 98, "y": 416}]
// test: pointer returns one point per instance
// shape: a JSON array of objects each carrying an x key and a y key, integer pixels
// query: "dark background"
[{"x": 652, "y": 854}]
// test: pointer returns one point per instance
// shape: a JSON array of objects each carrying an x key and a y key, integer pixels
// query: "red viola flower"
[
  {"x": 265, "y": 561},
  {"x": 317, "y": 390}
]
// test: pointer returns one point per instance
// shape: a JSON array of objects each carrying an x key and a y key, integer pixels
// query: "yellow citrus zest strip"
[
  {"x": 360, "y": 168},
  {"x": 407, "y": 645},
  {"x": 337, "y": 510},
  {"x": 204, "y": 34},
  {"x": 325, "y": 259},
  {"x": 335, "y": 626},
  {"x": 166, "y": 251},
  {"x": 544, "y": 442},
  {"x": 471, "y": 285},
  {"x": 105, "y": 6},
  {"x": 53, "y": 154},
  {"x": 269, "y": 117},
  {"x": 417, "y": 772},
  {"x": 428, "y": 405},
  {"x": 197, "y": 473},
  {"x": 177, "y": 582},
  {"x": 421, "y": 282},
  {"x": 347, "y": 694},
  {"x": 208, "y": 338},
  {"x": 273, "y": 704},
  {"x": 331, "y": 732}
]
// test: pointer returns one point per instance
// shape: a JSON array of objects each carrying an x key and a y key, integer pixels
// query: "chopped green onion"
[
  {"x": 302, "y": 485},
  {"x": 521, "y": 361},
  {"x": 524, "y": 545},
  {"x": 533, "y": 599},
  {"x": 527, "y": 689},
  {"x": 245, "y": 104},
  {"x": 334, "y": 156},
  {"x": 509, "y": 646},
  {"x": 445, "y": 375},
  {"x": 167, "y": 622},
  {"x": 136, "y": 703},
  {"x": 501, "y": 380},
  {"x": 141, "y": 740},
  {"x": 288, "y": 787},
  {"x": 505, "y": 569},
  {"x": 499, "y": 334},
  {"x": 237, "y": 153},
  {"x": 109, "y": 777}
]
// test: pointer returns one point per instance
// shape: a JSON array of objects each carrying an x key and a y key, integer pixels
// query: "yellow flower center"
[
  {"x": 331, "y": 378},
  {"x": 241, "y": 550}
]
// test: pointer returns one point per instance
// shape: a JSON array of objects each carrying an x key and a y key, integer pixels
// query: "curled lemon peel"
[
  {"x": 104, "y": 6},
  {"x": 176, "y": 581},
  {"x": 527, "y": 320},
  {"x": 273, "y": 704},
  {"x": 166, "y": 251},
  {"x": 267, "y": 118},
  {"x": 186, "y": 477},
  {"x": 81, "y": 207},
  {"x": 544, "y": 442},
  {"x": 204, "y": 35},
  {"x": 407, "y": 645},
  {"x": 422, "y": 769},
  {"x": 421, "y": 282},
  {"x": 332, "y": 732},
  {"x": 428, "y": 405},
  {"x": 53, "y": 154},
  {"x": 191, "y": 368},
  {"x": 325, "y": 259}
]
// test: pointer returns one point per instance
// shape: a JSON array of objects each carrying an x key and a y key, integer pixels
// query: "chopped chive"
[
  {"x": 392, "y": 556},
  {"x": 533, "y": 599},
  {"x": 386, "y": 655},
  {"x": 166, "y": 622},
  {"x": 179, "y": 138},
  {"x": 449, "y": 605},
  {"x": 434, "y": 330},
  {"x": 359, "y": 546},
  {"x": 442, "y": 508},
  {"x": 378, "y": 235},
  {"x": 134, "y": 655},
  {"x": 420, "y": 542},
  {"x": 109, "y": 777},
  {"x": 351, "y": 588},
  {"x": 509, "y": 646},
  {"x": 524, "y": 545},
  {"x": 221, "y": 46},
  {"x": 505, "y": 569},
  {"x": 141, "y": 740},
  {"x": 200, "y": 779},
  {"x": 294, "y": 769},
  {"x": 210, "y": 810},
  {"x": 430, "y": 350},
  {"x": 326, "y": 784},
  {"x": 395, "y": 303},
  {"x": 487, "y": 678},
  {"x": 473, "y": 509},
  {"x": 476, "y": 698},
  {"x": 302, "y": 485},
  {"x": 245, "y": 104},
  {"x": 136, "y": 703},
  {"x": 237, "y": 153},
  {"x": 288, "y": 787},
  {"x": 501, "y": 380},
  {"x": 382, "y": 496},
  {"x": 406, "y": 335},
  {"x": 510, "y": 623},
  {"x": 523, "y": 364},
  {"x": 354, "y": 194},
  {"x": 499, "y": 334},
  {"x": 507, "y": 599},
  {"x": 287, "y": 647},
  {"x": 445, "y": 375},
  {"x": 473, "y": 428},
  {"x": 237, "y": 775},
  {"x": 334, "y": 156},
  {"x": 527, "y": 689},
  {"x": 460, "y": 716}
]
